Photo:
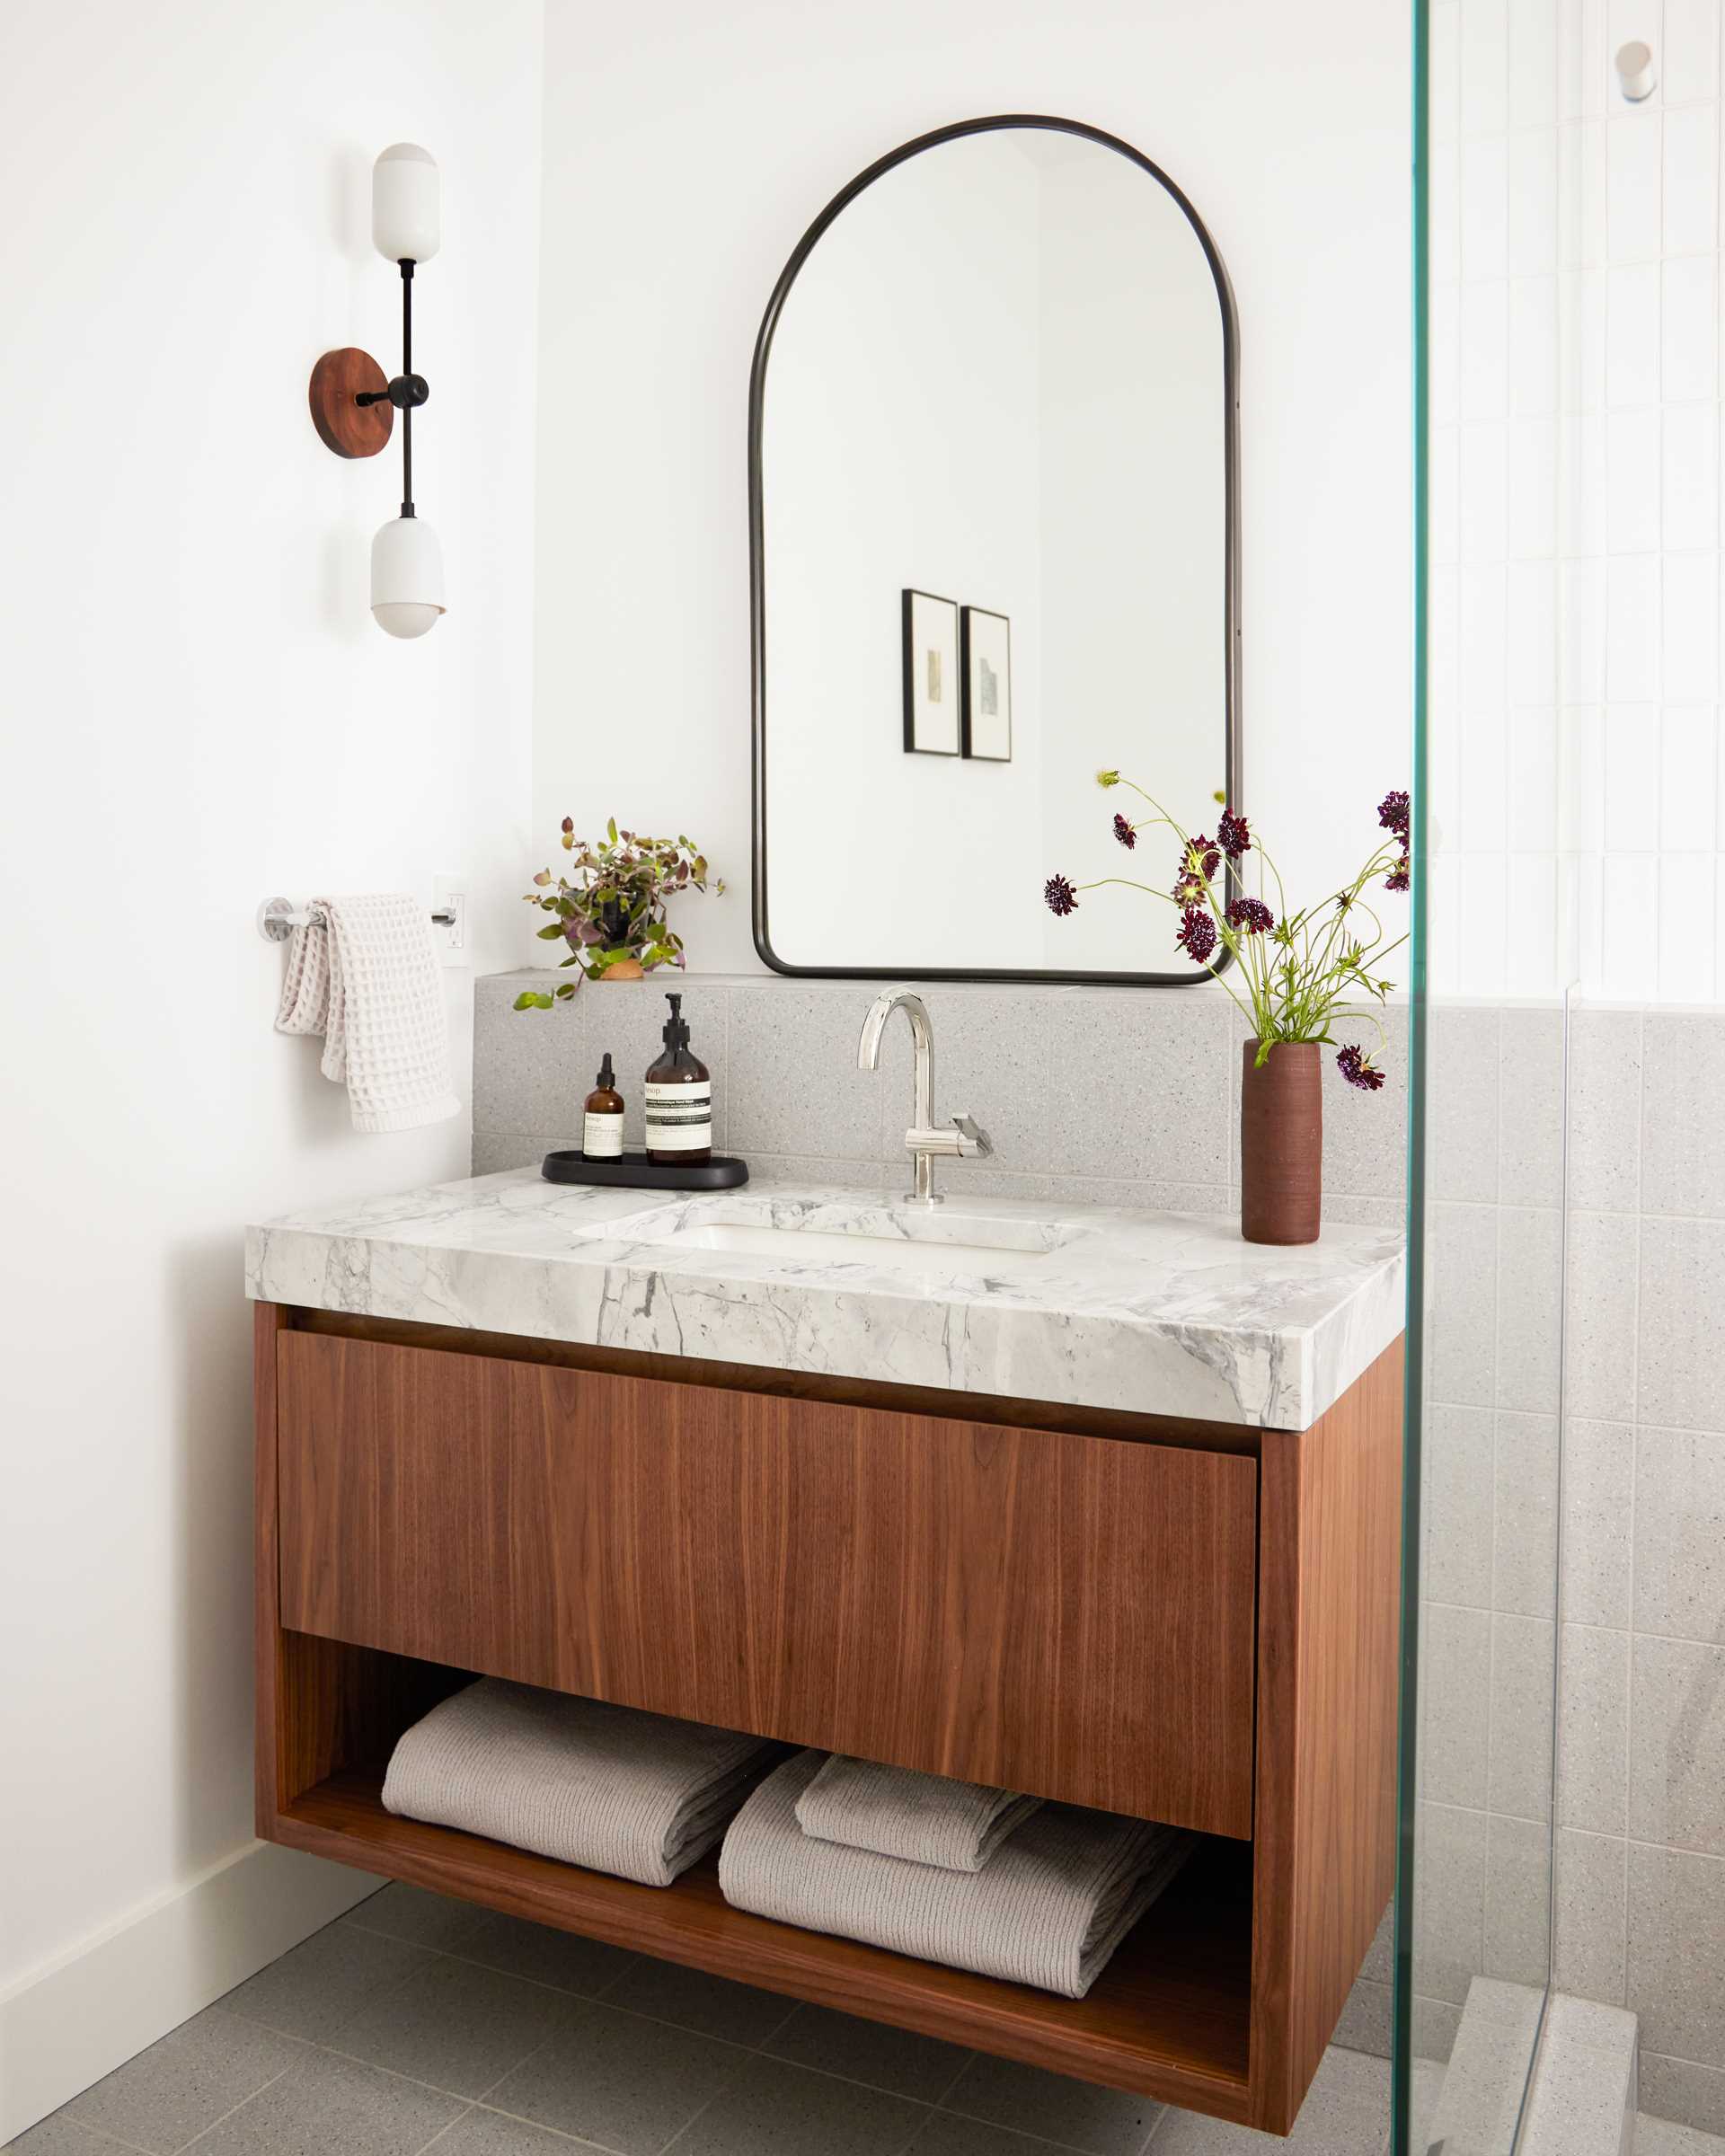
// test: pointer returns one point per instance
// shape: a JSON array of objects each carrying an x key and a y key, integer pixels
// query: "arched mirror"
[{"x": 993, "y": 474}]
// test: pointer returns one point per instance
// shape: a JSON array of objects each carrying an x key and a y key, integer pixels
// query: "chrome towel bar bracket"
[{"x": 277, "y": 916}]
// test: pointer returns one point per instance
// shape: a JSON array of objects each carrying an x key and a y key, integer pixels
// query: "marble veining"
[{"x": 1157, "y": 1313}]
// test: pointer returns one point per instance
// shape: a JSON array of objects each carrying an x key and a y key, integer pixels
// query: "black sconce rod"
[
  {"x": 407, "y": 375},
  {"x": 407, "y": 391}
]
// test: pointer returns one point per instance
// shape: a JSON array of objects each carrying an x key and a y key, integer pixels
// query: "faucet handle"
[{"x": 974, "y": 1142}]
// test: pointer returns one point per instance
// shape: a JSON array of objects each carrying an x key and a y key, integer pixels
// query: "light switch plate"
[{"x": 450, "y": 895}]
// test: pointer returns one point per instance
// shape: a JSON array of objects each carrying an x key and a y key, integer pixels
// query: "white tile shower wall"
[
  {"x": 1576, "y": 784},
  {"x": 1640, "y": 1866}
]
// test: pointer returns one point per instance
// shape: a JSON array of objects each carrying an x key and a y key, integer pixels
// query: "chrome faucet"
[{"x": 962, "y": 1139}]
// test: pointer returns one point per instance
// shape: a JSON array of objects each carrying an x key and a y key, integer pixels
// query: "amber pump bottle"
[
  {"x": 679, "y": 1098},
  {"x": 602, "y": 1126}
]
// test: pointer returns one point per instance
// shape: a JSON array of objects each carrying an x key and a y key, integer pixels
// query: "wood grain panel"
[
  {"x": 1065, "y": 1614},
  {"x": 1167, "y": 2018},
  {"x": 1329, "y": 1607}
]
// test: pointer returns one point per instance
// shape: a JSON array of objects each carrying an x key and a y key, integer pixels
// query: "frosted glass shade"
[
  {"x": 406, "y": 577},
  {"x": 406, "y": 219}
]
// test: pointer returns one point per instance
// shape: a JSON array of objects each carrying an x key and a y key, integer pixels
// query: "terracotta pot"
[
  {"x": 625, "y": 969},
  {"x": 1281, "y": 1144}
]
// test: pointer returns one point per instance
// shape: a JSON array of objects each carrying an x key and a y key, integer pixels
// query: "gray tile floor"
[{"x": 416, "y": 2023}]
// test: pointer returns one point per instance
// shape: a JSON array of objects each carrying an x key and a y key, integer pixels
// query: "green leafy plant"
[
  {"x": 1304, "y": 972},
  {"x": 610, "y": 905}
]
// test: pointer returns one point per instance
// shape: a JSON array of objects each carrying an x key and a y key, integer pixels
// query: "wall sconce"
[{"x": 354, "y": 407}]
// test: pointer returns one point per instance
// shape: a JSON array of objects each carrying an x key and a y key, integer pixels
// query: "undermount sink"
[
  {"x": 847, "y": 1247},
  {"x": 932, "y": 1244}
]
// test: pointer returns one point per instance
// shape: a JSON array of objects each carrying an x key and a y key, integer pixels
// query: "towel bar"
[{"x": 277, "y": 916}]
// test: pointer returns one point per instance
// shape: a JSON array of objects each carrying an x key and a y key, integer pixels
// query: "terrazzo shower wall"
[{"x": 1576, "y": 795}]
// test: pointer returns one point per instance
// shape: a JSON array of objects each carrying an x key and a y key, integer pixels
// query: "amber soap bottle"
[
  {"x": 679, "y": 1098},
  {"x": 602, "y": 1127}
]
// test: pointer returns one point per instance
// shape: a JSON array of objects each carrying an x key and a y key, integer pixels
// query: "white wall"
[
  {"x": 200, "y": 712},
  {"x": 681, "y": 169}
]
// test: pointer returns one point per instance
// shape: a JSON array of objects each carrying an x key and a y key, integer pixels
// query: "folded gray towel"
[
  {"x": 898, "y": 1812},
  {"x": 617, "y": 1790},
  {"x": 1056, "y": 1900}
]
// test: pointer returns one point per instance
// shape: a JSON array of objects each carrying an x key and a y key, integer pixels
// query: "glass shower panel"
[{"x": 1488, "y": 1050}]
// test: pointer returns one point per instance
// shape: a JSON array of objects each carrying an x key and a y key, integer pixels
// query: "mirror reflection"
[{"x": 993, "y": 426}]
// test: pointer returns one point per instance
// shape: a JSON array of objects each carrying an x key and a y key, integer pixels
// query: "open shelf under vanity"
[
  {"x": 1182, "y": 1624},
  {"x": 1174, "y": 1999}
]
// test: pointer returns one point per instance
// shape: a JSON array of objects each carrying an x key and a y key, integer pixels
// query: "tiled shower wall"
[
  {"x": 1640, "y": 1785},
  {"x": 1577, "y": 790},
  {"x": 1578, "y": 796}
]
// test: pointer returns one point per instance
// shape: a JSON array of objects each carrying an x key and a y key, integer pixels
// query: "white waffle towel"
[
  {"x": 369, "y": 983},
  {"x": 1058, "y": 1897},
  {"x": 612, "y": 1787},
  {"x": 896, "y": 1812}
]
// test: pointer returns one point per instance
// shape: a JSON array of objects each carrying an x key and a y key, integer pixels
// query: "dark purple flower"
[
  {"x": 1397, "y": 879},
  {"x": 1197, "y": 864},
  {"x": 1357, "y": 1067},
  {"x": 1059, "y": 894},
  {"x": 1124, "y": 832},
  {"x": 1393, "y": 814},
  {"x": 1250, "y": 917},
  {"x": 1196, "y": 936},
  {"x": 1232, "y": 834}
]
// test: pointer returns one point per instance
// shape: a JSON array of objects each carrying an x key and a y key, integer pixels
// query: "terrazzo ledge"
[{"x": 1152, "y": 1313}]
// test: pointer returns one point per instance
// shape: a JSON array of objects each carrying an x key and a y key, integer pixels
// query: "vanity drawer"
[{"x": 1067, "y": 1614}]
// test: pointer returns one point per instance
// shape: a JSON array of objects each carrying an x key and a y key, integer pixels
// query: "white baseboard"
[{"x": 68, "y": 2025}]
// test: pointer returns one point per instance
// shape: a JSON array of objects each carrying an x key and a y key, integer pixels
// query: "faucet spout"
[
  {"x": 923, "y": 1142},
  {"x": 922, "y": 1036}
]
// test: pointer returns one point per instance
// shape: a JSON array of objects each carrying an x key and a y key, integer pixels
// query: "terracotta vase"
[
  {"x": 1281, "y": 1144},
  {"x": 625, "y": 969}
]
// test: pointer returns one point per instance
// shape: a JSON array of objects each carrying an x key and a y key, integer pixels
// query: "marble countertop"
[{"x": 1157, "y": 1313}]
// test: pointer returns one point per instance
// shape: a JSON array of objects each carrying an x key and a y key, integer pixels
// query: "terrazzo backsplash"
[{"x": 1110, "y": 1096}]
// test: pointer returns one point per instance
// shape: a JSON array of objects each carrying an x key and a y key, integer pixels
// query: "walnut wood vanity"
[{"x": 1187, "y": 1620}]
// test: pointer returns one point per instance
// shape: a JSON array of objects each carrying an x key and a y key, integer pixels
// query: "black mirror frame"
[{"x": 757, "y": 565}]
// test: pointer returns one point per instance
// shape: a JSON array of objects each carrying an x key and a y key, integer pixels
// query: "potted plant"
[
  {"x": 1305, "y": 973},
  {"x": 609, "y": 906}
]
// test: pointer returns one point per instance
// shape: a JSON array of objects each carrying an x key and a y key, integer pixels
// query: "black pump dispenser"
[{"x": 679, "y": 1098}]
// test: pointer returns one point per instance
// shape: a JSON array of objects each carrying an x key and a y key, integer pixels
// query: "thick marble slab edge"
[{"x": 1158, "y": 1314}]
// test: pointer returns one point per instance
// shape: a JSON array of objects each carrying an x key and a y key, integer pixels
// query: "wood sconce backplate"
[{"x": 349, "y": 429}]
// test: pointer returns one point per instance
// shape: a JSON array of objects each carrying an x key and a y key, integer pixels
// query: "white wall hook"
[{"x": 1635, "y": 71}]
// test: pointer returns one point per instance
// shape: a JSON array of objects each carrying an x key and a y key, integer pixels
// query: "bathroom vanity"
[{"x": 1123, "y": 1529}]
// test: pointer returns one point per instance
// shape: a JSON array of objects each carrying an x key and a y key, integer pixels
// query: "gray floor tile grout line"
[
  {"x": 700, "y": 2112},
  {"x": 232, "y": 2109},
  {"x": 100, "y": 2134},
  {"x": 448, "y": 2126},
  {"x": 598, "y": 2148},
  {"x": 539, "y": 1983},
  {"x": 965, "y": 2064}
]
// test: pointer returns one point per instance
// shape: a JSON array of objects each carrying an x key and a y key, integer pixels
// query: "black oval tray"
[{"x": 635, "y": 1171}]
